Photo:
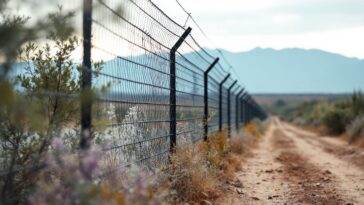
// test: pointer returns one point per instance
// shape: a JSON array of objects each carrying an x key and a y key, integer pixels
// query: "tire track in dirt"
[
  {"x": 307, "y": 183},
  {"x": 332, "y": 145},
  {"x": 287, "y": 167},
  {"x": 346, "y": 177},
  {"x": 261, "y": 176}
]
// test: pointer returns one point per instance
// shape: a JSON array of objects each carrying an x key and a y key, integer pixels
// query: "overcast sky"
[{"x": 239, "y": 25}]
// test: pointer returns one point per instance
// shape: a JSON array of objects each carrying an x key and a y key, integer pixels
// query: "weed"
[
  {"x": 191, "y": 178},
  {"x": 73, "y": 179}
]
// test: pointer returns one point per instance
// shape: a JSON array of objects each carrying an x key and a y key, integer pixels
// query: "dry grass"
[
  {"x": 215, "y": 149},
  {"x": 191, "y": 177},
  {"x": 252, "y": 129},
  {"x": 319, "y": 130},
  {"x": 357, "y": 141},
  {"x": 237, "y": 145},
  {"x": 234, "y": 165},
  {"x": 242, "y": 144},
  {"x": 199, "y": 172},
  {"x": 361, "y": 142},
  {"x": 257, "y": 128}
]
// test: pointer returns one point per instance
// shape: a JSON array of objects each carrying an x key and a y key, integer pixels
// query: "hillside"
[
  {"x": 297, "y": 70},
  {"x": 284, "y": 71},
  {"x": 295, "y": 99}
]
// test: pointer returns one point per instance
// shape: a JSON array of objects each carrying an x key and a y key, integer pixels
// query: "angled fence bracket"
[
  {"x": 172, "y": 94},
  {"x": 206, "y": 97}
]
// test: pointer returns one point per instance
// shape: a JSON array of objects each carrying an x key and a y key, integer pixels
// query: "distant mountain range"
[
  {"x": 297, "y": 70},
  {"x": 267, "y": 70}
]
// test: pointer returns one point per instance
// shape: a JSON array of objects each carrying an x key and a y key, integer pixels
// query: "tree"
[{"x": 46, "y": 104}]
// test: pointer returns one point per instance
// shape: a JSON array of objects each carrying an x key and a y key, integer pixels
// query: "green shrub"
[
  {"x": 357, "y": 103},
  {"x": 355, "y": 128},
  {"x": 336, "y": 120}
]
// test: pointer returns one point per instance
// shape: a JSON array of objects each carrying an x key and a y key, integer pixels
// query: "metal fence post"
[
  {"x": 206, "y": 97},
  {"x": 238, "y": 110},
  {"x": 229, "y": 108},
  {"x": 172, "y": 96},
  {"x": 86, "y": 104},
  {"x": 220, "y": 101}
]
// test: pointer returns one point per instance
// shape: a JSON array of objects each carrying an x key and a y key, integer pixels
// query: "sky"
[
  {"x": 335, "y": 26},
  {"x": 239, "y": 25}
]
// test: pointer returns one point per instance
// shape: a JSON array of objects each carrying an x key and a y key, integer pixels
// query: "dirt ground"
[{"x": 294, "y": 166}]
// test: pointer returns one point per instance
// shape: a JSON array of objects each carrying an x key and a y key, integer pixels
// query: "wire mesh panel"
[
  {"x": 134, "y": 44},
  {"x": 224, "y": 107},
  {"x": 192, "y": 60},
  {"x": 213, "y": 102},
  {"x": 233, "y": 112},
  {"x": 227, "y": 84},
  {"x": 215, "y": 77},
  {"x": 189, "y": 88}
]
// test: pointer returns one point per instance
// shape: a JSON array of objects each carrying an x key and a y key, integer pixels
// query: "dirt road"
[{"x": 293, "y": 166}]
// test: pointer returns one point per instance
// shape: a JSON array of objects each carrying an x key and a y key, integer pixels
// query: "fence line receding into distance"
[
  {"x": 163, "y": 88},
  {"x": 161, "y": 93}
]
